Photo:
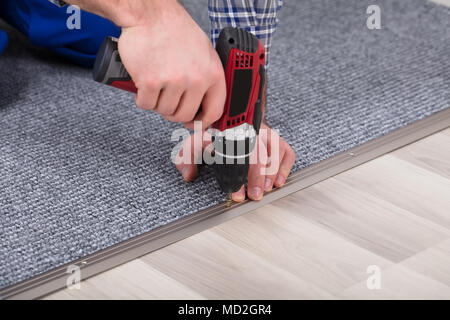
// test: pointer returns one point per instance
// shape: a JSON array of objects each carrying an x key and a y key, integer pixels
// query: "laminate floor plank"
[
  {"x": 132, "y": 280},
  {"x": 433, "y": 262},
  {"x": 431, "y": 153},
  {"x": 399, "y": 282},
  {"x": 405, "y": 185},
  {"x": 306, "y": 249},
  {"x": 218, "y": 268}
]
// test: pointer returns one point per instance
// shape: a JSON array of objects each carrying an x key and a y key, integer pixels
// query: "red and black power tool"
[{"x": 235, "y": 133}]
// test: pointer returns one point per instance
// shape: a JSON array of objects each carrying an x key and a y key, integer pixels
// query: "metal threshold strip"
[{"x": 138, "y": 246}]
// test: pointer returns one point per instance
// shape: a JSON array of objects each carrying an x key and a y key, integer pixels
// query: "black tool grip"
[
  {"x": 258, "y": 113},
  {"x": 237, "y": 38},
  {"x": 109, "y": 69}
]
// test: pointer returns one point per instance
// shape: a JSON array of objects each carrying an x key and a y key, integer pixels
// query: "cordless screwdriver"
[{"x": 234, "y": 135}]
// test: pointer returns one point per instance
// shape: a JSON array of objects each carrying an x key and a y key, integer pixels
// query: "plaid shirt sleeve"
[{"x": 256, "y": 16}]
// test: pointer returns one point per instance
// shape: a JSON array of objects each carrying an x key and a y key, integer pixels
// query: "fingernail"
[
  {"x": 268, "y": 184},
  {"x": 184, "y": 173},
  {"x": 280, "y": 180},
  {"x": 239, "y": 196},
  {"x": 255, "y": 193}
]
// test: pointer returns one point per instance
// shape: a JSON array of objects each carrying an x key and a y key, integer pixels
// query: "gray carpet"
[{"x": 81, "y": 168}]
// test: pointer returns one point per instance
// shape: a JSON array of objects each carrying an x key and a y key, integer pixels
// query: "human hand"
[
  {"x": 173, "y": 65},
  {"x": 271, "y": 162}
]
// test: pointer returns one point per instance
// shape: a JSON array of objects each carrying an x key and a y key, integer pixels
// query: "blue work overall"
[{"x": 46, "y": 25}]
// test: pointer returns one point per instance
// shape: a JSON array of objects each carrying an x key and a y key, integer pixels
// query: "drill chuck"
[{"x": 232, "y": 150}]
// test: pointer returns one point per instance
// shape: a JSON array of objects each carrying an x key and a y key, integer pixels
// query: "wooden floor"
[{"x": 392, "y": 212}]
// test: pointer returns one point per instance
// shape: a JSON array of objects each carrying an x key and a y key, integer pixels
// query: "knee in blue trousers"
[{"x": 50, "y": 26}]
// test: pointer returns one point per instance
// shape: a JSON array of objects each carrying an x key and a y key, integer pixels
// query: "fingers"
[
  {"x": 179, "y": 104},
  {"x": 270, "y": 178},
  {"x": 185, "y": 163},
  {"x": 274, "y": 153},
  {"x": 255, "y": 186},
  {"x": 239, "y": 196},
  {"x": 256, "y": 172},
  {"x": 179, "y": 98},
  {"x": 187, "y": 108},
  {"x": 286, "y": 164},
  {"x": 274, "y": 174},
  {"x": 147, "y": 96},
  {"x": 169, "y": 99},
  {"x": 212, "y": 105},
  {"x": 188, "y": 171},
  {"x": 190, "y": 153}
]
